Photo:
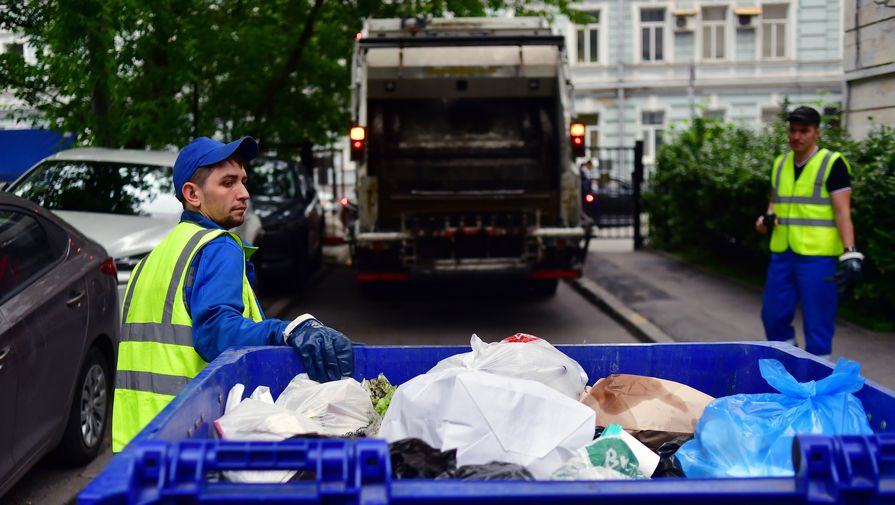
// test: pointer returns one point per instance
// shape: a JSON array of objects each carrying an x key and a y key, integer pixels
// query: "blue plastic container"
[{"x": 170, "y": 461}]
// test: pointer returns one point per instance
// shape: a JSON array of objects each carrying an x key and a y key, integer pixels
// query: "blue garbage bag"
[{"x": 751, "y": 435}]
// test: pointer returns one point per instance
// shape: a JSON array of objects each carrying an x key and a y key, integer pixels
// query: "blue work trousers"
[{"x": 795, "y": 278}]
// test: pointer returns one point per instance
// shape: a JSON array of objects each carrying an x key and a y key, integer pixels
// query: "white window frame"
[
  {"x": 649, "y": 134},
  {"x": 590, "y": 132},
  {"x": 667, "y": 29},
  {"x": 708, "y": 112},
  {"x": 714, "y": 24},
  {"x": 602, "y": 39},
  {"x": 591, "y": 129},
  {"x": 788, "y": 26}
]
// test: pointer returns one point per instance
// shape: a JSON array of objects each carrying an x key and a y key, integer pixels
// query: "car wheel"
[{"x": 88, "y": 418}]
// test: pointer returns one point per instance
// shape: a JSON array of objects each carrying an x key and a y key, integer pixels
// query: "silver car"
[
  {"x": 59, "y": 328},
  {"x": 124, "y": 199}
]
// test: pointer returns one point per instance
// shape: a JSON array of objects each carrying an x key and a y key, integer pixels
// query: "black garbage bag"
[
  {"x": 669, "y": 466},
  {"x": 494, "y": 470},
  {"x": 655, "y": 439},
  {"x": 414, "y": 459}
]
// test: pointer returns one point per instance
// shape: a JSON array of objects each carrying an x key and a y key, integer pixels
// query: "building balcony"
[{"x": 739, "y": 74}]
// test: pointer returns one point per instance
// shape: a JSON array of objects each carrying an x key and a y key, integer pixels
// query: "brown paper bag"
[{"x": 646, "y": 403}]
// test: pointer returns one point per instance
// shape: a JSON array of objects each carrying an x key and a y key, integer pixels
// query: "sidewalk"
[{"x": 688, "y": 304}]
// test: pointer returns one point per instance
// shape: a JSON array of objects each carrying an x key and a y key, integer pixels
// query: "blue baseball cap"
[{"x": 203, "y": 152}]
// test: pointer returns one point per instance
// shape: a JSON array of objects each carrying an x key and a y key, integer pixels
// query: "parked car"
[
  {"x": 123, "y": 199},
  {"x": 292, "y": 222},
  {"x": 59, "y": 328},
  {"x": 609, "y": 203}
]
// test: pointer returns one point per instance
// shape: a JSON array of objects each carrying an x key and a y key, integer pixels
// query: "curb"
[{"x": 642, "y": 328}]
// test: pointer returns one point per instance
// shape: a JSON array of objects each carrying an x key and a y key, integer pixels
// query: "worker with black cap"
[
  {"x": 191, "y": 298},
  {"x": 809, "y": 216}
]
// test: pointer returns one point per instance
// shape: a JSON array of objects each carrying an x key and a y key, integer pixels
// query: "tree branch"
[{"x": 290, "y": 67}]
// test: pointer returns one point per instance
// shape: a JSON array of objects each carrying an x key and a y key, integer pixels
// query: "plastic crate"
[{"x": 171, "y": 459}]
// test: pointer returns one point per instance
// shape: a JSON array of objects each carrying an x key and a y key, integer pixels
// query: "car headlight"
[{"x": 128, "y": 263}]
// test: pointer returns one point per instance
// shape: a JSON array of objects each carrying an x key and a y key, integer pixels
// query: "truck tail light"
[
  {"x": 358, "y": 137},
  {"x": 576, "y": 132},
  {"x": 555, "y": 274}
]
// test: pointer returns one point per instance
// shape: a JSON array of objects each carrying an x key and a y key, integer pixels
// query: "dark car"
[
  {"x": 608, "y": 202},
  {"x": 59, "y": 327},
  {"x": 292, "y": 221}
]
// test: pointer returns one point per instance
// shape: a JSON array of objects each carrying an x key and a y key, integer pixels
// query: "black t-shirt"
[{"x": 839, "y": 177}]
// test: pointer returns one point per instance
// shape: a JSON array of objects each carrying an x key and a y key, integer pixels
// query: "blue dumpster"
[{"x": 175, "y": 459}]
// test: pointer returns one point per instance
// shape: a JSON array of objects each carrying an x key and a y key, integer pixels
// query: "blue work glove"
[
  {"x": 850, "y": 271},
  {"x": 325, "y": 352}
]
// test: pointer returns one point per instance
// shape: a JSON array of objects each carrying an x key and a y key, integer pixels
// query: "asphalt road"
[
  {"x": 448, "y": 313},
  {"x": 431, "y": 314}
]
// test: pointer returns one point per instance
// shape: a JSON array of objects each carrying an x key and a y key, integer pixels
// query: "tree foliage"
[
  {"x": 130, "y": 73},
  {"x": 712, "y": 181}
]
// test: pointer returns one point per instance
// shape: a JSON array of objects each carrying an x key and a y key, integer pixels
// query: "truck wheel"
[
  {"x": 545, "y": 288},
  {"x": 89, "y": 415}
]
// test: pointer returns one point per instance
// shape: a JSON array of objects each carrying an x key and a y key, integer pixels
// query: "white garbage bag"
[
  {"x": 522, "y": 357},
  {"x": 338, "y": 407},
  {"x": 262, "y": 394},
  {"x": 257, "y": 418},
  {"x": 489, "y": 417},
  {"x": 234, "y": 397}
]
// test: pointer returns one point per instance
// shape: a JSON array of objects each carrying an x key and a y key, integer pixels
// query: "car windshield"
[
  {"x": 272, "y": 180},
  {"x": 97, "y": 186}
]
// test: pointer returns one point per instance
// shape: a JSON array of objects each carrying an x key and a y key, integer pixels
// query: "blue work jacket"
[{"x": 214, "y": 298}]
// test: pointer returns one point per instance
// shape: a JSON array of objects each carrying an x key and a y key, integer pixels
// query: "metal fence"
[{"x": 611, "y": 181}]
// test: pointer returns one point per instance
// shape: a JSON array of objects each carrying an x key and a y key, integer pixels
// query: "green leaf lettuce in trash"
[{"x": 381, "y": 392}]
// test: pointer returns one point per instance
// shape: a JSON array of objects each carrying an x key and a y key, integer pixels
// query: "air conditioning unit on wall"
[
  {"x": 747, "y": 17},
  {"x": 684, "y": 20}
]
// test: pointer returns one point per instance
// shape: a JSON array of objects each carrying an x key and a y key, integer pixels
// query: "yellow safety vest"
[
  {"x": 804, "y": 208},
  {"x": 156, "y": 357}
]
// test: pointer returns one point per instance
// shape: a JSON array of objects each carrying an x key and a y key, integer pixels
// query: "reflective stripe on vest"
[
  {"x": 804, "y": 208},
  {"x": 156, "y": 357}
]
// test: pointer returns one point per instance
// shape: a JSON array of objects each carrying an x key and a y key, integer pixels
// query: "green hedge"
[{"x": 712, "y": 181}]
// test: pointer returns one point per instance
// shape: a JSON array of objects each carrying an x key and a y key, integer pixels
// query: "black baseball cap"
[{"x": 805, "y": 115}]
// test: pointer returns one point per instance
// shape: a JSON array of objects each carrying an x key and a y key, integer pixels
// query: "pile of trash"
[{"x": 520, "y": 409}]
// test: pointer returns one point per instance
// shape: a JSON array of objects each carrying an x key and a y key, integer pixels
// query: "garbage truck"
[{"x": 464, "y": 144}]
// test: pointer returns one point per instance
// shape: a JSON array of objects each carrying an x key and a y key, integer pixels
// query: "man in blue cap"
[{"x": 191, "y": 298}]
